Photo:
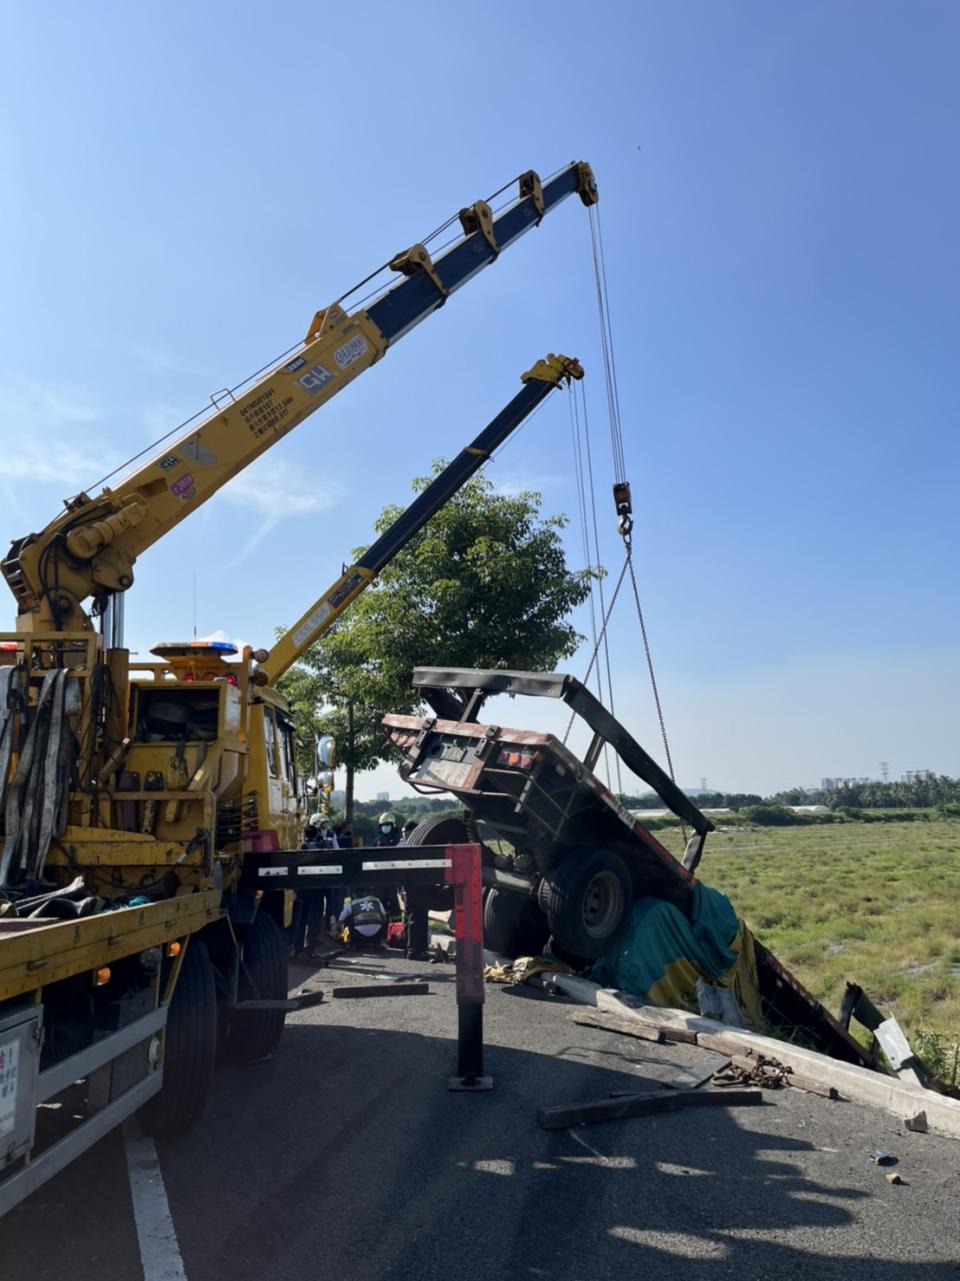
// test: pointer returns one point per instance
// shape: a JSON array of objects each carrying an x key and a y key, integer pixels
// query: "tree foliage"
[
  {"x": 484, "y": 584},
  {"x": 919, "y": 792}
]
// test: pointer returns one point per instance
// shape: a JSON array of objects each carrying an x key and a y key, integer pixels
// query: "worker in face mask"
[{"x": 389, "y": 833}]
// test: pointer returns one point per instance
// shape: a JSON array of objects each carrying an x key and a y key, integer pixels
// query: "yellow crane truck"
[{"x": 131, "y": 951}]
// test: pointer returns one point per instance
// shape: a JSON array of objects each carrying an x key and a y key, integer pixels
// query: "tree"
[{"x": 484, "y": 584}]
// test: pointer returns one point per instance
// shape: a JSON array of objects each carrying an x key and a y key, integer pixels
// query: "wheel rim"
[{"x": 601, "y": 907}]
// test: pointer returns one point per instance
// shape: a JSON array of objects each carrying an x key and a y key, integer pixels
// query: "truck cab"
[{"x": 193, "y": 729}]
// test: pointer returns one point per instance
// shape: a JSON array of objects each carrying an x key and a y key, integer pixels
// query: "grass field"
[{"x": 873, "y": 903}]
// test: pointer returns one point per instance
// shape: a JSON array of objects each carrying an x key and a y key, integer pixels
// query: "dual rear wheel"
[
  {"x": 191, "y": 1035},
  {"x": 582, "y": 906}
]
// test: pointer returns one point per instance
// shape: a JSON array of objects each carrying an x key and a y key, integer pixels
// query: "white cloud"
[
  {"x": 160, "y": 361},
  {"x": 54, "y": 462},
  {"x": 44, "y": 414},
  {"x": 44, "y": 405},
  {"x": 221, "y": 635},
  {"x": 159, "y": 418},
  {"x": 273, "y": 490}
]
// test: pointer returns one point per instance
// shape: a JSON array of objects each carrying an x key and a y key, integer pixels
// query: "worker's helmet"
[{"x": 386, "y": 819}]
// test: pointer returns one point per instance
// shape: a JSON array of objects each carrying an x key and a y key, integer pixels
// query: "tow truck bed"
[
  {"x": 49, "y": 970},
  {"x": 36, "y": 953}
]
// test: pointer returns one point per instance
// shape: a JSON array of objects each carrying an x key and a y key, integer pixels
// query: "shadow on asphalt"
[{"x": 346, "y": 1156}]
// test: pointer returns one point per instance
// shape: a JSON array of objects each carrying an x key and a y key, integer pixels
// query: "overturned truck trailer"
[{"x": 585, "y": 878}]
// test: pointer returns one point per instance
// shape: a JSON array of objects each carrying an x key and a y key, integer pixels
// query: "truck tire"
[
  {"x": 438, "y": 831},
  {"x": 254, "y": 1034},
  {"x": 587, "y": 901},
  {"x": 513, "y": 924},
  {"x": 190, "y": 1048}
]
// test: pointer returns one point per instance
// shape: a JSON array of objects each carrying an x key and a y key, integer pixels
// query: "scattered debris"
[
  {"x": 624, "y": 1027},
  {"x": 882, "y": 1157},
  {"x": 387, "y": 989},
  {"x": 693, "y": 1080},
  {"x": 812, "y": 1070},
  {"x": 524, "y": 969},
  {"x": 308, "y": 996},
  {"x": 899, "y": 1053},
  {"x": 685, "y": 1081},
  {"x": 893, "y": 1177},
  {"x": 718, "y": 1003},
  {"x": 917, "y": 1122},
  {"x": 442, "y": 949},
  {"x": 321, "y": 959},
  {"x": 648, "y": 1104},
  {"x": 769, "y": 1074}
]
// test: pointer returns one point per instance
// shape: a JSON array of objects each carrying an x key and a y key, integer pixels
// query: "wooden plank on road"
[
  {"x": 651, "y": 1103},
  {"x": 380, "y": 989}
]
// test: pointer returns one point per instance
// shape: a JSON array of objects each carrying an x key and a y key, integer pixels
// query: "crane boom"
[
  {"x": 89, "y": 549},
  {"x": 538, "y": 382}
]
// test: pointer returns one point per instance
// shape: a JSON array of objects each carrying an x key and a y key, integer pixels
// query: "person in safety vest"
[{"x": 363, "y": 921}]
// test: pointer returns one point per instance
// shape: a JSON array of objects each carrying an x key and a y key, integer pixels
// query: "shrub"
[
  {"x": 934, "y": 1052},
  {"x": 771, "y": 816}
]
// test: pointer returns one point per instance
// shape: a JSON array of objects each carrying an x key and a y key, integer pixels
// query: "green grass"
[{"x": 873, "y": 903}]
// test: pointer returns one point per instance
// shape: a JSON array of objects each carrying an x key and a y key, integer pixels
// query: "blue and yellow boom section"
[
  {"x": 538, "y": 382},
  {"x": 89, "y": 550}
]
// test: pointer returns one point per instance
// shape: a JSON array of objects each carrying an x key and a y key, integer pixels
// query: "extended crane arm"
[
  {"x": 537, "y": 385},
  {"x": 89, "y": 550}
]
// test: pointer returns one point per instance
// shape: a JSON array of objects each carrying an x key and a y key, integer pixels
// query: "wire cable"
[{"x": 200, "y": 413}]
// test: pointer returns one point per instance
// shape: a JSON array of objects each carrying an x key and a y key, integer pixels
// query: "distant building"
[{"x": 383, "y": 796}]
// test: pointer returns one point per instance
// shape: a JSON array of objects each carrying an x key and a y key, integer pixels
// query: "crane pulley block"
[
  {"x": 624, "y": 505},
  {"x": 530, "y": 185},
  {"x": 587, "y": 188},
  {"x": 554, "y": 369},
  {"x": 415, "y": 259},
  {"x": 479, "y": 217}
]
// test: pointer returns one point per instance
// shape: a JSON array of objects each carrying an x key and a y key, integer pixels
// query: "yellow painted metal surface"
[
  {"x": 125, "y": 521},
  {"x": 34, "y": 959}
]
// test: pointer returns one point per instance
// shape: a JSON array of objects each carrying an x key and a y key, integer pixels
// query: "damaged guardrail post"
[{"x": 465, "y": 875}]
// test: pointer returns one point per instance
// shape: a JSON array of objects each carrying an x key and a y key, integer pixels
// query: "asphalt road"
[{"x": 346, "y": 1156}]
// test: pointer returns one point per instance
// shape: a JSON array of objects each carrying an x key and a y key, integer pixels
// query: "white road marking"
[
  {"x": 584, "y": 1144},
  {"x": 606, "y": 1162},
  {"x": 159, "y": 1249}
]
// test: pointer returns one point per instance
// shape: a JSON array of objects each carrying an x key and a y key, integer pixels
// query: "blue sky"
[{"x": 185, "y": 185}]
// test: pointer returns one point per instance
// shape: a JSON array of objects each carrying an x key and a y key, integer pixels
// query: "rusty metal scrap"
[{"x": 768, "y": 1073}]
